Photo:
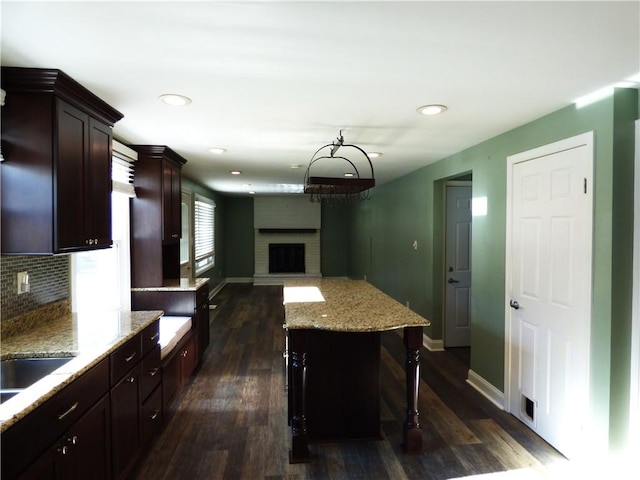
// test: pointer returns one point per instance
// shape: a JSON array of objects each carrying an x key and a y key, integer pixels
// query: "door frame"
[
  {"x": 585, "y": 139},
  {"x": 449, "y": 183},
  {"x": 634, "y": 400}
]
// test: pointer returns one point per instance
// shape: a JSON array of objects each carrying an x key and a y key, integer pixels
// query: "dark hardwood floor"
[{"x": 231, "y": 421}]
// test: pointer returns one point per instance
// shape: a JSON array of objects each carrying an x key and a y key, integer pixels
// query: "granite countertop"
[
  {"x": 344, "y": 305},
  {"x": 178, "y": 284},
  {"x": 88, "y": 338}
]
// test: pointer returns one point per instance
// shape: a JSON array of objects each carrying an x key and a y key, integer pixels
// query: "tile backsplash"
[{"x": 49, "y": 278}]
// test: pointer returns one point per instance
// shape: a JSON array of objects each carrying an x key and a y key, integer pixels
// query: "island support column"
[{"x": 412, "y": 433}]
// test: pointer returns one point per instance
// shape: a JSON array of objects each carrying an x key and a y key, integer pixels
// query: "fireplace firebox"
[{"x": 286, "y": 258}]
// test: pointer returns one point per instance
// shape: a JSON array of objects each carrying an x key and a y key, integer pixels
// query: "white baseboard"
[
  {"x": 215, "y": 290},
  {"x": 487, "y": 390},
  {"x": 431, "y": 344}
]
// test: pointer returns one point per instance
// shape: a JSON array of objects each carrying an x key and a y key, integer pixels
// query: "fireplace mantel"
[{"x": 287, "y": 230}]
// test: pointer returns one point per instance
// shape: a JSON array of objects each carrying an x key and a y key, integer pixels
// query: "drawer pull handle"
[
  {"x": 64, "y": 450},
  {"x": 155, "y": 336},
  {"x": 131, "y": 379},
  {"x": 155, "y": 414},
  {"x": 68, "y": 411},
  {"x": 73, "y": 440},
  {"x": 130, "y": 357},
  {"x": 152, "y": 373}
]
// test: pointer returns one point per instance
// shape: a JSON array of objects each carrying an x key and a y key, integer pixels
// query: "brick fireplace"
[{"x": 286, "y": 221}]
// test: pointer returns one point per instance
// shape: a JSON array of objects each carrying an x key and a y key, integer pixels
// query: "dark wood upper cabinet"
[
  {"x": 56, "y": 177},
  {"x": 156, "y": 223}
]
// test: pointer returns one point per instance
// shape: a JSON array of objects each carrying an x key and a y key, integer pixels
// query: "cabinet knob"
[
  {"x": 175, "y": 235},
  {"x": 152, "y": 373},
  {"x": 64, "y": 450},
  {"x": 131, "y": 379},
  {"x": 73, "y": 440},
  {"x": 155, "y": 414}
]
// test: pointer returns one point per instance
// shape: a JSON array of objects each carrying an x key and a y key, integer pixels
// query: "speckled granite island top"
[
  {"x": 178, "y": 284},
  {"x": 88, "y": 338},
  {"x": 344, "y": 305}
]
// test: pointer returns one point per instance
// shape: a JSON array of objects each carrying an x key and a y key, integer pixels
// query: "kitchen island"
[{"x": 333, "y": 352}]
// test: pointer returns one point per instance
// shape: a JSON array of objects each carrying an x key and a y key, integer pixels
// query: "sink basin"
[{"x": 18, "y": 374}]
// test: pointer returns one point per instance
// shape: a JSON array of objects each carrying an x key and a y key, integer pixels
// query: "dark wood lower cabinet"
[
  {"x": 125, "y": 420},
  {"x": 83, "y": 452},
  {"x": 178, "y": 367}
]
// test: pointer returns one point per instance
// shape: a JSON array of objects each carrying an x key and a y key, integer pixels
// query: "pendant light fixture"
[{"x": 348, "y": 185}]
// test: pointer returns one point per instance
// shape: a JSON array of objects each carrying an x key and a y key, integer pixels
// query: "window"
[{"x": 204, "y": 233}]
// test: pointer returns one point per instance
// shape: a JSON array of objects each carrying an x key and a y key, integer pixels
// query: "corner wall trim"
[
  {"x": 487, "y": 390},
  {"x": 432, "y": 345}
]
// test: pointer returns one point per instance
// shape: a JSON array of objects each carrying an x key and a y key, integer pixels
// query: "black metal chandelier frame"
[{"x": 338, "y": 189}]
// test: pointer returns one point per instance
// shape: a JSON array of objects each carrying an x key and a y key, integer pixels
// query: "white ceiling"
[{"x": 273, "y": 81}]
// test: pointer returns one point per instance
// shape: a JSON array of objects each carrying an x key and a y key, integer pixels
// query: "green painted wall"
[
  {"x": 383, "y": 229},
  {"x": 239, "y": 237},
  {"x": 334, "y": 241}
]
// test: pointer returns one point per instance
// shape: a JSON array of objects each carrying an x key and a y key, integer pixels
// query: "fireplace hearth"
[{"x": 286, "y": 258}]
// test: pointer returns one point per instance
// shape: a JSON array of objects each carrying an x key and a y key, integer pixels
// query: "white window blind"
[
  {"x": 204, "y": 233},
  {"x": 122, "y": 167}
]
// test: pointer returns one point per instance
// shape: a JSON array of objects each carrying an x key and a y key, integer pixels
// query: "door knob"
[
  {"x": 514, "y": 304},
  {"x": 451, "y": 280}
]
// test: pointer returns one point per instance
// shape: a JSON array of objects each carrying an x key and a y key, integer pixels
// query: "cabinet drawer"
[
  {"x": 150, "y": 337},
  {"x": 27, "y": 439},
  {"x": 151, "y": 421},
  {"x": 123, "y": 359},
  {"x": 151, "y": 372}
]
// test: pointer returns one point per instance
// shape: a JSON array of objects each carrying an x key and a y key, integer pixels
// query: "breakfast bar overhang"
[{"x": 333, "y": 362}]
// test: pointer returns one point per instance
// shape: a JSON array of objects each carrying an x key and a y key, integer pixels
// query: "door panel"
[
  {"x": 549, "y": 292},
  {"x": 458, "y": 264}
]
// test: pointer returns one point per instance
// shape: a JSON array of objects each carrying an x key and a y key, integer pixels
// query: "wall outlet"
[{"x": 23, "y": 283}]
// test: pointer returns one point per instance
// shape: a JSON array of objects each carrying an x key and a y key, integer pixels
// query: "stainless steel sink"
[{"x": 18, "y": 374}]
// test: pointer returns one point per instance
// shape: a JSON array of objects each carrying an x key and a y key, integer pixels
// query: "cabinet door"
[
  {"x": 90, "y": 443},
  {"x": 202, "y": 325},
  {"x": 125, "y": 421},
  {"x": 72, "y": 133},
  {"x": 83, "y": 452},
  {"x": 97, "y": 183},
  {"x": 171, "y": 214},
  {"x": 189, "y": 358},
  {"x": 44, "y": 468}
]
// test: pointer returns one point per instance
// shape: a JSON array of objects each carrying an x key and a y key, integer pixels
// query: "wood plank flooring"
[{"x": 231, "y": 421}]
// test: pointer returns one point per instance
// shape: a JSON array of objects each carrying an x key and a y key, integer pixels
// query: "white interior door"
[
  {"x": 549, "y": 289},
  {"x": 457, "y": 310}
]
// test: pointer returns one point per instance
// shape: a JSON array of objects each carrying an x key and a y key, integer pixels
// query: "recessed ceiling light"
[
  {"x": 174, "y": 99},
  {"x": 235, "y": 172},
  {"x": 246, "y": 185},
  {"x": 431, "y": 109},
  {"x": 374, "y": 154},
  {"x": 252, "y": 193},
  {"x": 348, "y": 174},
  {"x": 217, "y": 150},
  {"x": 295, "y": 166}
]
